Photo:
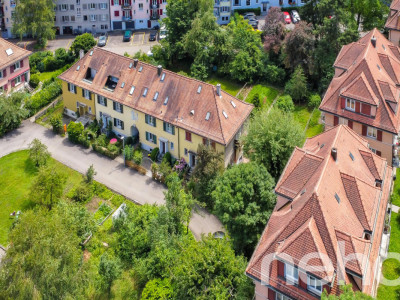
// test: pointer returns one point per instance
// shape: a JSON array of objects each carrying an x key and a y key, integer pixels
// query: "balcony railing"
[
  {"x": 154, "y": 17},
  {"x": 126, "y": 18},
  {"x": 126, "y": 6}
]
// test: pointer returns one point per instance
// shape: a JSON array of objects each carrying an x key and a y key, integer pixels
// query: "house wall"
[
  {"x": 385, "y": 146},
  {"x": 70, "y": 100},
  {"x": 261, "y": 291},
  {"x": 9, "y": 7},
  {"x": 6, "y": 82},
  {"x": 394, "y": 36}
]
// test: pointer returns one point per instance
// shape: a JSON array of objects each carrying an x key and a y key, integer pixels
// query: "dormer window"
[
  {"x": 314, "y": 285},
  {"x": 372, "y": 132},
  {"x": 350, "y": 104},
  {"x": 111, "y": 83},
  {"x": 90, "y": 74},
  {"x": 291, "y": 273}
]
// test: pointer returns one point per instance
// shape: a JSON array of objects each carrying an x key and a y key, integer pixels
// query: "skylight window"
[
  {"x": 166, "y": 101},
  {"x": 122, "y": 84},
  {"x": 130, "y": 65},
  {"x": 199, "y": 89},
  {"x": 162, "y": 76},
  {"x": 233, "y": 104},
  {"x": 383, "y": 46},
  {"x": 91, "y": 53},
  {"x": 145, "y": 92},
  {"x": 132, "y": 89},
  {"x": 140, "y": 69},
  {"x": 208, "y": 116},
  {"x": 322, "y": 146},
  {"x": 379, "y": 68},
  {"x": 155, "y": 96},
  {"x": 78, "y": 67},
  {"x": 352, "y": 156},
  {"x": 9, "y": 51},
  {"x": 337, "y": 197},
  {"x": 225, "y": 114}
]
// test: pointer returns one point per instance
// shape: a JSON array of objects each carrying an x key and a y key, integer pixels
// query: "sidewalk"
[{"x": 112, "y": 173}]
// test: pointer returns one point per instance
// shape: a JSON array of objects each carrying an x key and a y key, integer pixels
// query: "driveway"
[{"x": 137, "y": 188}]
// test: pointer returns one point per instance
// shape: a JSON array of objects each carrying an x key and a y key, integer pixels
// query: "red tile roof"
[
  {"x": 393, "y": 21},
  {"x": 17, "y": 53},
  {"x": 332, "y": 202},
  {"x": 186, "y": 107},
  {"x": 370, "y": 75}
]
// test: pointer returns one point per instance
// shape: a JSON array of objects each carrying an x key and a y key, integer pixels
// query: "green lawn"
[
  {"x": 314, "y": 127},
  {"x": 227, "y": 85},
  {"x": 391, "y": 267},
  {"x": 45, "y": 119},
  {"x": 396, "y": 189},
  {"x": 301, "y": 114},
  {"x": 47, "y": 75},
  {"x": 16, "y": 176},
  {"x": 266, "y": 93}
]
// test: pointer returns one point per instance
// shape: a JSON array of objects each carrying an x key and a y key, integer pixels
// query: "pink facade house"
[
  {"x": 136, "y": 14},
  {"x": 14, "y": 67}
]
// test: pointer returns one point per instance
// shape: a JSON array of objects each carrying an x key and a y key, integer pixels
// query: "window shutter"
[
  {"x": 155, "y": 122},
  {"x": 301, "y": 282},
  {"x": 357, "y": 107},
  {"x": 12, "y": 83},
  {"x": 379, "y": 135},
  {"x": 364, "y": 130},
  {"x": 22, "y": 63},
  {"x": 105, "y": 102},
  {"x": 5, "y": 73},
  {"x": 165, "y": 126},
  {"x": 83, "y": 93},
  {"x": 343, "y": 102},
  {"x": 120, "y": 2},
  {"x": 23, "y": 77},
  {"x": 379, "y": 153},
  {"x": 12, "y": 69},
  {"x": 122, "y": 108},
  {"x": 281, "y": 269},
  {"x": 271, "y": 294},
  {"x": 115, "y": 122},
  {"x": 366, "y": 109},
  {"x": 90, "y": 95},
  {"x": 350, "y": 124},
  {"x": 335, "y": 120},
  {"x": 146, "y": 119},
  {"x": 75, "y": 89},
  {"x": 113, "y": 105},
  {"x": 154, "y": 139},
  {"x": 147, "y": 136},
  {"x": 122, "y": 125},
  {"x": 69, "y": 86},
  {"x": 326, "y": 287},
  {"x": 160, "y": 12},
  {"x": 173, "y": 130},
  {"x": 5, "y": 87},
  {"x": 98, "y": 99}
]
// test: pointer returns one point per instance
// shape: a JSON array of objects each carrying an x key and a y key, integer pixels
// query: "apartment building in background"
[
  {"x": 166, "y": 110},
  {"x": 136, "y": 14},
  {"x": 14, "y": 67},
  {"x": 364, "y": 93},
  {"x": 331, "y": 222},
  {"x": 393, "y": 22}
]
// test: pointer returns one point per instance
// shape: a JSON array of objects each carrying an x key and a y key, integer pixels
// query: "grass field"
[
  {"x": 391, "y": 267},
  {"x": 396, "y": 189},
  {"x": 47, "y": 75},
  {"x": 227, "y": 85},
  {"x": 266, "y": 93},
  {"x": 16, "y": 176},
  {"x": 314, "y": 127}
]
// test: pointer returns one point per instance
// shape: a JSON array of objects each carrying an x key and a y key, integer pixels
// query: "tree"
[
  {"x": 83, "y": 42},
  {"x": 244, "y": 200},
  {"x": 256, "y": 100},
  {"x": 298, "y": 47},
  {"x": 38, "y": 153},
  {"x": 285, "y": 103},
  {"x": 35, "y": 17},
  {"x": 56, "y": 123},
  {"x": 209, "y": 269},
  {"x": 271, "y": 138},
  {"x": 157, "y": 289},
  {"x": 296, "y": 87},
  {"x": 90, "y": 173},
  {"x": 44, "y": 259},
  {"x": 47, "y": 188},
  {"x": 209, "y": 165},
  {"x": 347, "y": 293},
  {"x": 369, "y": 13},
  {"x": 274, "y": 29},
  {"x": 314, "y": 101},
  {"x": 109, "y": 270},
  {"x": 11, "y": 114},
  {"x": 74, "y": 130}
]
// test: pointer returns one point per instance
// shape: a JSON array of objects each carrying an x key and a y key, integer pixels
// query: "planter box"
[{"x": 136, "y": 167}]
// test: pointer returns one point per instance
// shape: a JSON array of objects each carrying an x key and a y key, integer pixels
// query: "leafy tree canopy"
[
  {"x": 11, "y": 113},
  {"x": 296, "y": 87},
  {"x": 38, "y": 153},
  {"x": 274, "y": 29},
  {"x": 347, "y": 294},
  {"x": 83, "y": 42}
]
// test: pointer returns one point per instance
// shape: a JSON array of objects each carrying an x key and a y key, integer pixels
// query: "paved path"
[
  {"x": 138, "y": 188},
  {"x": 395, "y": 208}
]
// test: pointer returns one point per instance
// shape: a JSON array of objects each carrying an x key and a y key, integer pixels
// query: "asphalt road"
[{"x": 138, "y": 188}]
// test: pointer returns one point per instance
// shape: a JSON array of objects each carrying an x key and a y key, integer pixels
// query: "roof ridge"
[{"x": 352, "y": 246}]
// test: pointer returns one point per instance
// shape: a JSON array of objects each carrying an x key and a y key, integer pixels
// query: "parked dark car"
[
  {"x": 127, "y": 36},
  {"x": 295, "y": 16},
  {"x": 152, "y": 36}
]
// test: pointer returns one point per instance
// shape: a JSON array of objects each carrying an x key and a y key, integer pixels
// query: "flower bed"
[
  {"x": 136, "y": 167},
  {"x": 105, "y": 151}
]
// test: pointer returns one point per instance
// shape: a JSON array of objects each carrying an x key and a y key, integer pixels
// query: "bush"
[
  {"x": 137, "y": 157},
  {"x": 83, "y": 193},
  {"x": 102, "y": 140},
  {"x": 128, "y": 152},
  {"x": 165, "y": 170},
  {"x": 44, "y": 97},
  {"x": 74, "y": 130},
  {"x": 154, "y": 154},
  {"x": 84, "y": 141},
  {"x": 285, "y": 103},
  {"x": 37, "y": 58},
  {"x": 242, "y": 11},
  {"x": 56, "y": 122},
  {"x": 104, "y": 151},
  {"x": 113, "y": 148},
  {"x": 314, "y": 101},
  {"x": 256, "y": 100},
  {"x": 167, "y": 157},
  {"x": 34, "y": 81}
]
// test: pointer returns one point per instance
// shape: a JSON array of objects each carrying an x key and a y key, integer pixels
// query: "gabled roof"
[
  {"x": 393, "y": 21},
  {"x": 11, "y": 53},
  {"x": 395, "y": 5},
  {"x": 334, "y": 201},
  {"x": 199, "y": 110},
  {"x": 371, "y": 75}
]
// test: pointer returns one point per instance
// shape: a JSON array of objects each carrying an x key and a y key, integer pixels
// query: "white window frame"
[
  {"x": 93, "y": 18},
  {"x": 86, "y": 94},
  {"x": 280, "y": 296},
  {"x": 312, "y": 285},
  {"x": 17, "y": 80},
  {"x": 118, "y": 107},
  {"x": 151, "y": 119},
  {"x": 291, "y": 273},
  {"x": 140, "y": 6},
  {"x": 92, "y": 5},
  {"x": 127, "y": 14},
  {"x": 102, "y": 100},
  {"x": 150, "y": 137},
  {"x": 78, "y": 11},
  {"x": 64, "y": 7},
  {"x": 169, "y": 127},
  {"x": 350, "y": 104},
  {"x": 103, "y": 18},
  {"x": 72, "y": 88},
  {"x": 115, "y": 2},
  {"x": 118, "y": 123},
  {"x": 17, "y": 65},
  {"x": 372, "y": 150},
  {"x": 172, "y": 145},
  {"x": 1, "y": 74},
  {"x": 103, "y": 5},
  {"x": 372, "y": 132}
]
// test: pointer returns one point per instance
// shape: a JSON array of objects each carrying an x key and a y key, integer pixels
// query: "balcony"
[
  {"x": 154, "y": 5},
  {"x": 155, "y": 16},
  {"x": 126, "y": 18},
  {"x": 126, "y": 6}
]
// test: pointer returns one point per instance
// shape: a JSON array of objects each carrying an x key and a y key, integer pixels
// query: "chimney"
[
  {"x": 334, "y": 154},
  {"x": 81, "y": 54},
  {"x": 159, "y": 70},
  {"x": 218, "y": 89},
  {"x": 373, "y": 41},
  {"x": 135, "y": 62}
]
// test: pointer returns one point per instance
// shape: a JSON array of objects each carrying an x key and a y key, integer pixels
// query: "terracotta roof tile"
[
  {"x": 17, "y": 53},
  {"x": 360, "y": 90},
  {"x": 393, "y": 21}
]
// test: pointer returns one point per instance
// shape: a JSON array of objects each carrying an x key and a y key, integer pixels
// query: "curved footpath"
[{"x": 137, "y": 188}]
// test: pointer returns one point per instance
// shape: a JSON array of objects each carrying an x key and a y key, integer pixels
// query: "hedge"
[
  {"x": 290, "y": 8},
  {"x": 136, "y": 167},
  {"x": 242, "y": 11},
  {"x": 105, "y": 151},
  {"x": 44, "y": 97}
]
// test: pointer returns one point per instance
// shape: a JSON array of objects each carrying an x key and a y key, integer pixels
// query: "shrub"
[
  {"x": 167, "y": 157},
  {"x": 314, "y": 101},
  {"x": 44, "y": 97},
  {"x": 154, "y": 154},
  {"x": 112, "y": 148},
  {"x": 84, "y": 141},
  {"x": 56, "y": 122},
  {"x": 137, "y": 157},
  {"x": 105, "y": 151},
  {"x": 285, "y": 103},
  {"x": 255, "y": 100},
  {"x": 102, "y": 140},
  {"x": 128, "y": 152},
  {"x": 82, "y": 193},
  {"x": 164, "y": 170},
  {"x": 154, "y": 171},
  {"x": 75, "y": 130},
  {"x": 242, "y": 11},
  {"x": 34, "y": 81}
]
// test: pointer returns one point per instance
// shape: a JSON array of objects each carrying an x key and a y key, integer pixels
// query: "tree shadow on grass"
[{"x": 30, "y": 167}]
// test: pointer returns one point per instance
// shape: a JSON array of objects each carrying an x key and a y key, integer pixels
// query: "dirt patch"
[
  {"x": 245, "y": 92},
  {"x": 93, "y": 204},
  {"x": 86, "y": 255}
]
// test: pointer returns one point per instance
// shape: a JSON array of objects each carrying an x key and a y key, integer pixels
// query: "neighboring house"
[
  {"x": 328, "y": 224},
  {"x": 364, "y": 93},
  {"x": 222, "y": 11},
  {"x": 14, "y": 66},
  {"x": 393, "y": 22},
  {"x": 169, "y": 111},
  {"x": 79, "y": 16},
  {"x": 139, "y": 14},
  {"x": 8, "y": 11}
]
